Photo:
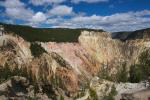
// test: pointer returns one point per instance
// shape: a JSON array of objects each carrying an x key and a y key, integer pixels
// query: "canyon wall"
[{"x": 71, "y": 64}]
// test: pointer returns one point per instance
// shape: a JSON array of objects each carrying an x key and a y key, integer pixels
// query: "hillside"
[
  {"x": 94, "y": 67},
  {"x": 45, "y": 34},
  {"x": 120, "y": 35},
  {"x": 138, "y": 34}
]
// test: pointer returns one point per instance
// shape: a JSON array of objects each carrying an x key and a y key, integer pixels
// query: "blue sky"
[{"x": 110, "y": 15}]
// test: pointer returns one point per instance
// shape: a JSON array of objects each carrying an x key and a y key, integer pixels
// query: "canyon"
[{"x": 66, "y": 69}]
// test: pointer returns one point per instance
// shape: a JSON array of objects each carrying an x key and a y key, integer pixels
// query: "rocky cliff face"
[
  {"x": 14, "y": 51},
  {"x": 108, "y": 51},
  {"x": 66, "y": 66},
  {"x": 69, "y": 67}
]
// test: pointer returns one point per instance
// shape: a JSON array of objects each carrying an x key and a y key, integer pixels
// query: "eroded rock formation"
[{"x": 68, "y": 66}]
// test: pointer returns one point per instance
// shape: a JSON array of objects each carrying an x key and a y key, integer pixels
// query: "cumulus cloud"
[
  {"x": 39, "y": 17},
  {"x": 49, "y": 2},
  {"x": 55, "y": 21},
  {"x": 43, "y": 2},
  {"x": 21, "y": 13},
  {"x": 17, "y": 10},
  {"x": 61, "y": 10},
  {"x": 13, "y": 3},
  {"x": 56, "y": 16},
  {"x": 89, "y": 1},
  {"x": 116, "y": 22}
]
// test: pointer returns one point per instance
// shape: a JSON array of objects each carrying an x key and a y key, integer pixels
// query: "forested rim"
[{"x": 46, "y": 34}]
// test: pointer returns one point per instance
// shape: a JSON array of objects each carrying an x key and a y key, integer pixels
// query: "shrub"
[
  {"x": 141, "y": 71},
  {"x": 62, "y": 98},
  {"x": 6, "y": 72},
  {"x": 122, "y": 74},
  {"x": 111, "y": 95},
  {"x": 135, "y": 74},
  {"x": 144, "y": 60},
  {"x": 104, "y": 73},
  {"x": 93, "y": 94},
  {"x": 36, "y": 49}
]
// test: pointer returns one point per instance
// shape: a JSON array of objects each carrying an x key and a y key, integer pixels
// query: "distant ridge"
[
  {"x": 138, "y": 34},
  {"x": 45, "y": 34}
]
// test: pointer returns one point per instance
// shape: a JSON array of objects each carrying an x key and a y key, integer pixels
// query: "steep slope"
[
  {"x": 68, "y": 68},
  {"x": 14, "y": 49},
  {"x": 75, "y": 54},
  {"x": 139, "y": 34},
  {"x": 120, "y": 35},
  {"x": 108, "y": 51}
]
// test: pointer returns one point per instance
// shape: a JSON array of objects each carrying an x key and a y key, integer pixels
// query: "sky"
[{"x": 109, "y": 15}]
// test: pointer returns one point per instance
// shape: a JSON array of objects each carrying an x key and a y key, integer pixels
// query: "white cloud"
[
  {"x": 43, "y": 2},
  {"x": 142, "y": 13},
  {"x": 19, "y": 13},
  {"x": 54, "y": 21},
  {"x": 117, "y": 22},
  {"x": 49, "y": 2},
  {"x": 39, "y": 17},
  {"x": 61, "y": 10},
  {"x": 13, "y": 3},
  {"x": 17, "y": 10},
  {"x": 86, "y": 19},
  {"x": 89, "y": 1},
  {"x": 56, "y": 17}
]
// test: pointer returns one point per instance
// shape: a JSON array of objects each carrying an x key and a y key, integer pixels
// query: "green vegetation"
[
  {"x": 104, "y": 73},
  {"x": 45, "y": 34},
  {"x": 6, "y": 72},
  {"x": 145, "y": 63},
  {"x": 138, "y": 72},
  {"x": 141, "y": 71},
  {"x": 62, "y": 98},
  {"x": 37, "y": 49},
  {"x": 80, "y": 94},
  {"x": 122, "y": 74},
  {"x": 132, "y": 35},
  {"x": 111, "y": 95},
  {"x": 121, "y": 35},
  {"x": 93, "y": 94},
  {"x": 135, "y": 73}
]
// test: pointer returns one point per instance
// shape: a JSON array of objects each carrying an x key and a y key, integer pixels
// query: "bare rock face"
[
  {"x": 112, "y": 52},
  {"x": 66, "y": 67},
  {"x": 44, "y": 71},
  {"x": 14, "y": 52},
  {"x": 48, "y": 71},
  {"x": 74, "y": 57},
  {"x": 102, "y": 46}
]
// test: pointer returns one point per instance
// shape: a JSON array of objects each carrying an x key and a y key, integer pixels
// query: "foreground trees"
[{"x": 141, "y": 71}]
